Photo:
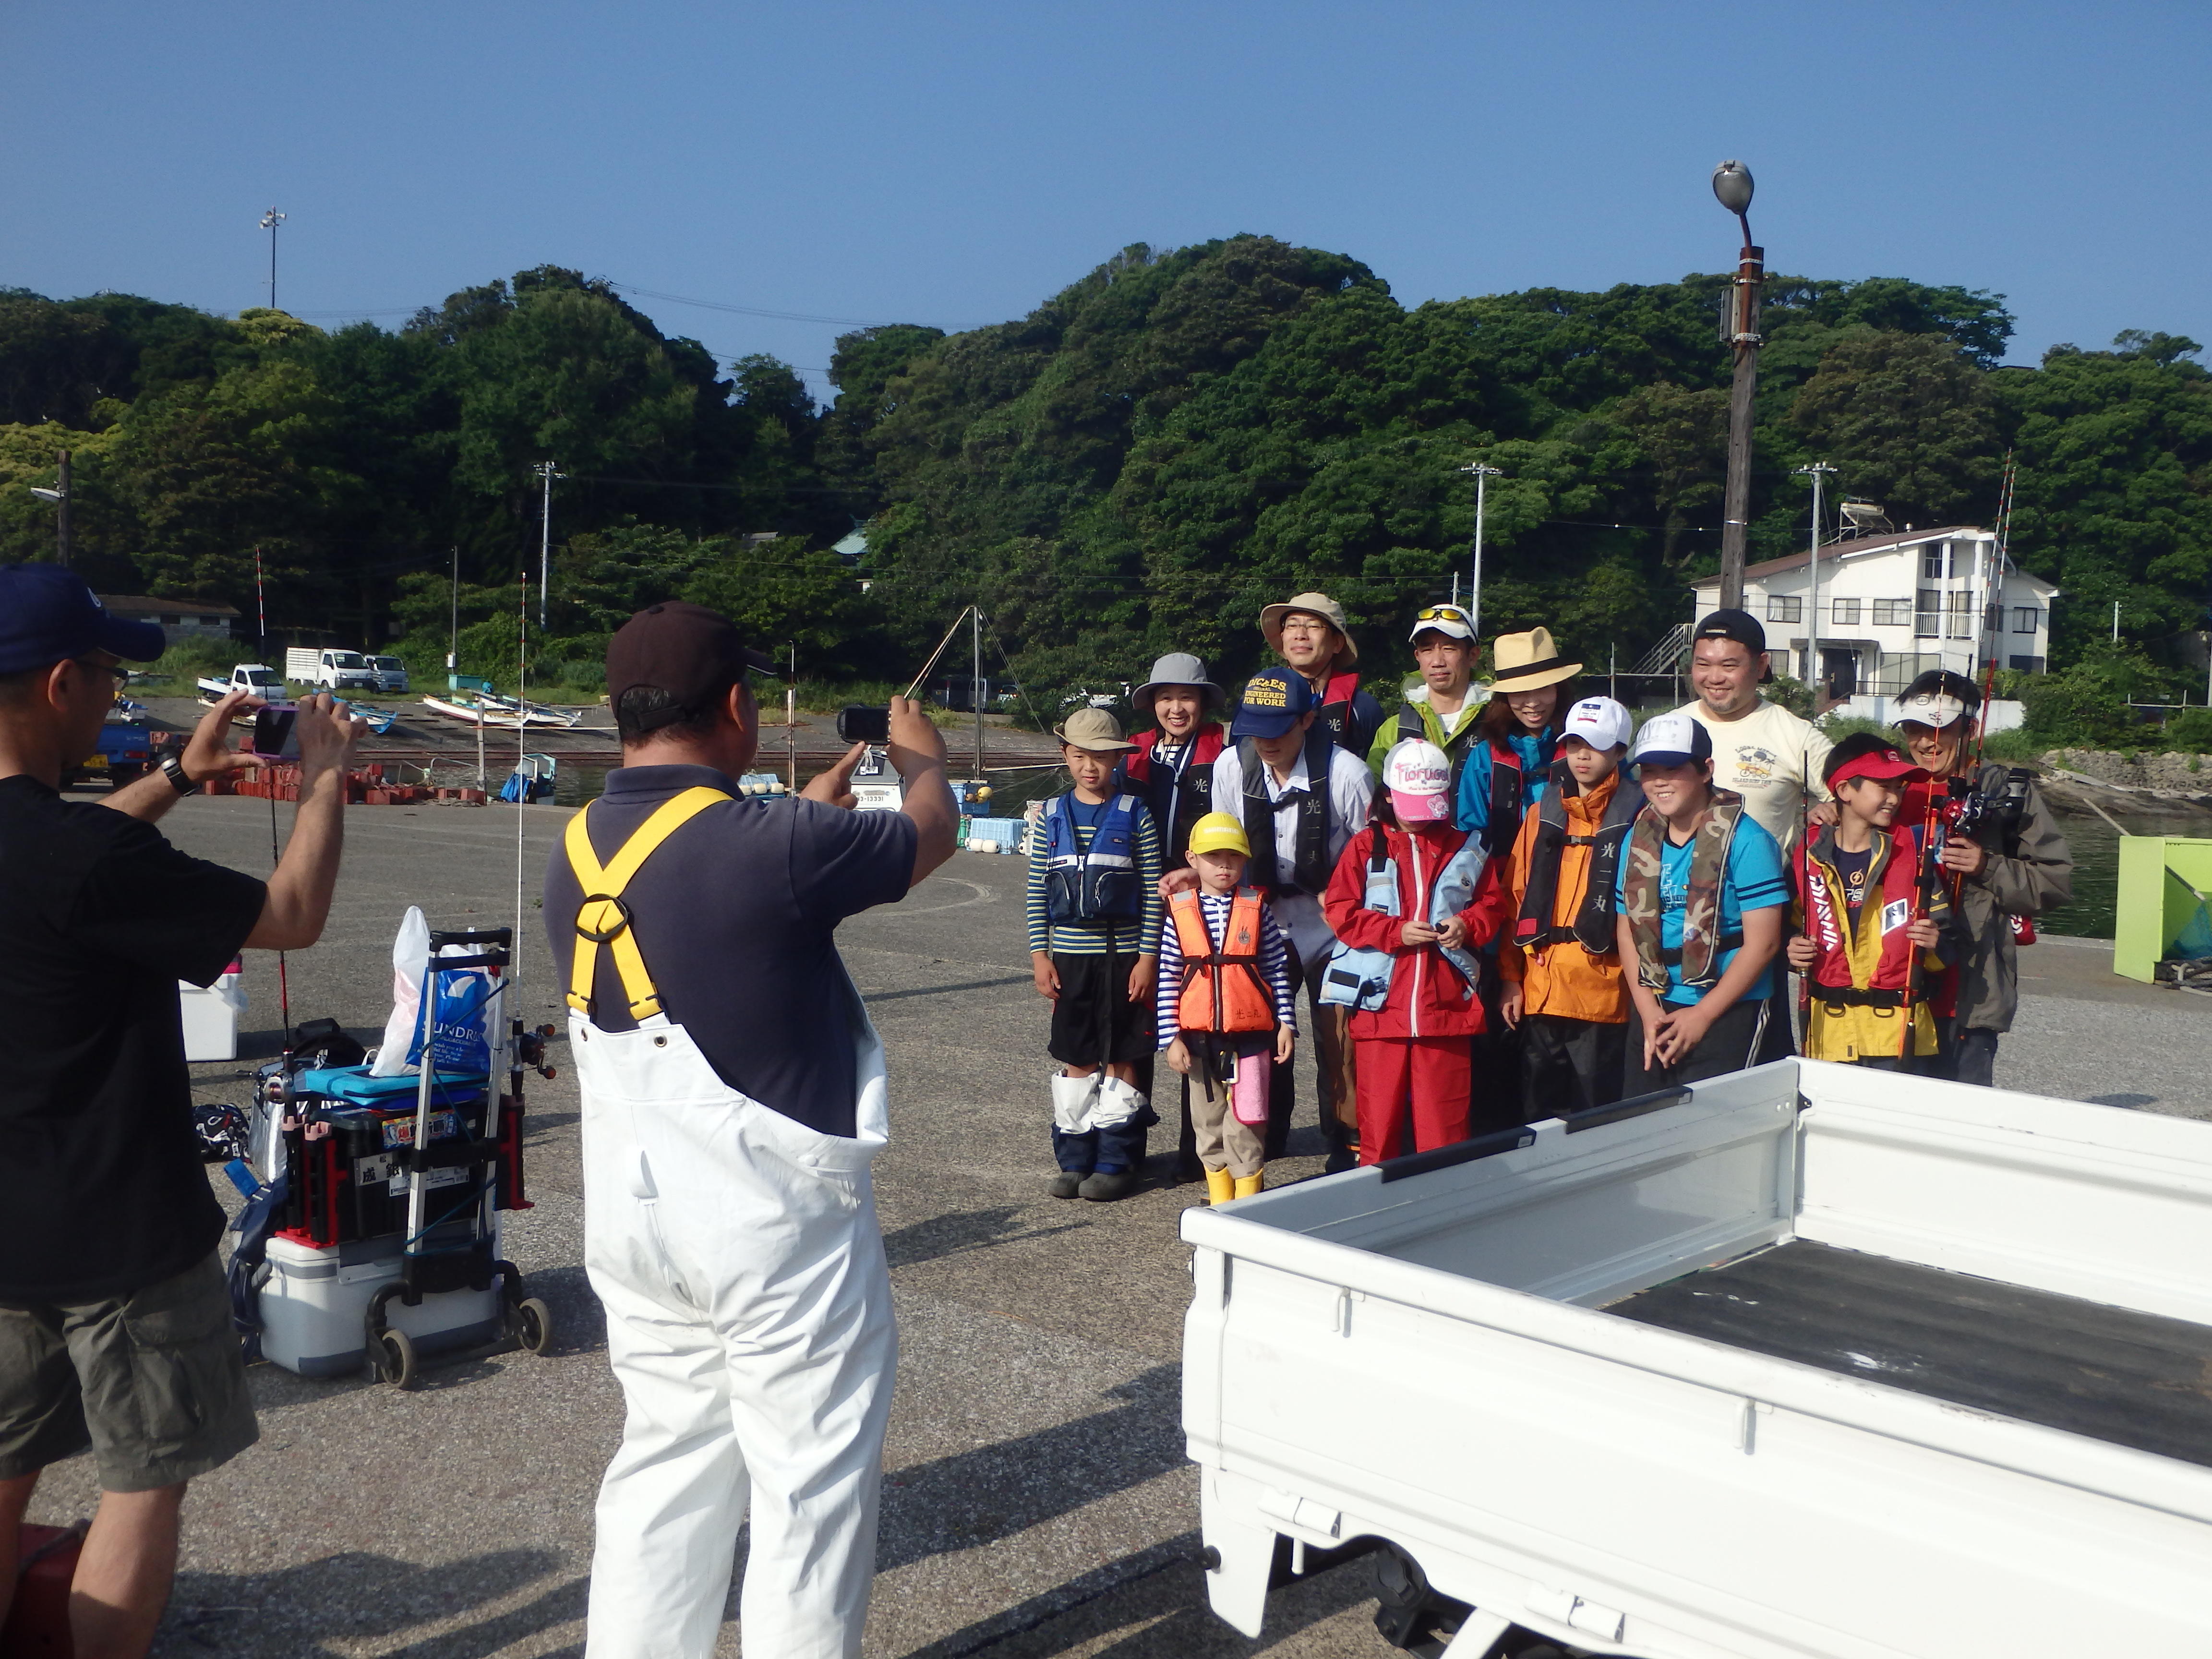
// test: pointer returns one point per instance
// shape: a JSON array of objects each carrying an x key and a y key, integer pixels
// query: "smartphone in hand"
[
  {"x": 858, "y": 723},
  {"x": 276, "y": 731}
]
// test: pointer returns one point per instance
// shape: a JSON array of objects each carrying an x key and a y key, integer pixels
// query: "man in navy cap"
[
  {"x": 1302, "y": 796},
  {"x": 115, "y": 1331}
]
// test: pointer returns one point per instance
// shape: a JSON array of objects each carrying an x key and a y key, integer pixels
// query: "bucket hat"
[
  {"x": 1319, "y": 605},
  {"x": 1176, "y": 668},
  {"x": 1096, "y": 730},
  {"x": 1528, "y": 662}
]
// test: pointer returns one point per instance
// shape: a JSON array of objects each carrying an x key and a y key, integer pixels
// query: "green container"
[{"x": 2160, "y": 878}]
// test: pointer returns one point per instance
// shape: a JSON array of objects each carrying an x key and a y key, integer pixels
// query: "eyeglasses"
[
  {"x": 1443, "y": 613},
  {"x": 122, "y": 675}
]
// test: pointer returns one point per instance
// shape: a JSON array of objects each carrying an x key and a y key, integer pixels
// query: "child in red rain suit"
[{"x": 1414, "y": 1053}]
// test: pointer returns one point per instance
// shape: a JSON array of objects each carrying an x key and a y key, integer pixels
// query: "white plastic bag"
[{"x": 410, "y": 948}]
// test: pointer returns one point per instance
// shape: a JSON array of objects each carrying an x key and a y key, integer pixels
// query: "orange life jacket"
[{"x": 1222, "y": 990}]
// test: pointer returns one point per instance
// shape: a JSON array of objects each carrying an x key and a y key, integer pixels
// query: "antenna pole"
[
  {"x": 269, "y": 221},
  {"x": 545, "y": 471},
  {"x": 1817, "y": 470},
  {"x": 975, "y": 687}
]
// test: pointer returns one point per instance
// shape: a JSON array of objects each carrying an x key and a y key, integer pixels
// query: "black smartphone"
[
  {"x": 276, "y": 731},
  {"x": 858, "y": 723}
]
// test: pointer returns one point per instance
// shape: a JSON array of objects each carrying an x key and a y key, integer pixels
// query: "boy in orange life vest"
[
  {"x": 1561, "y": 963},
  {"x": 1864, "y": 914},
  {"x": 1414, "y": 1051},
  {"x": 1225, "y": 1010}
]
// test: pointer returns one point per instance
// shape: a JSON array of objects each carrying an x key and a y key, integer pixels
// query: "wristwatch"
[{"x": 172, "y": 768}]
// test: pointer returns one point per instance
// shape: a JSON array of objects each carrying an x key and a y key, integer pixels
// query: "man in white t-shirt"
[{"x": 1760, "y": 749}]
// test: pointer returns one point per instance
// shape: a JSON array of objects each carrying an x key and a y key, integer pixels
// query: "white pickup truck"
[
  {"x": 332, "y": 671},
  {"x": 1807, "y": 1361},
  {"x": 261, "y": 680}
]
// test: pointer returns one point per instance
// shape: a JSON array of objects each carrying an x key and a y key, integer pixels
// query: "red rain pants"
[{"x": 1432, "y": 1075}]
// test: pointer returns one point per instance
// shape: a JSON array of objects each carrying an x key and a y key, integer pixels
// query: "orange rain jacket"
[{"x": 1565, "y": 981}]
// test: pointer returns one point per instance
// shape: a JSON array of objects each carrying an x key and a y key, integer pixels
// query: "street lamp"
[
  {"x": 59, "y": 496},
  {"x": 269, "y": 221},
  {"x": 1483, "y": 475},
  {"x": 1732, "y": 186}
]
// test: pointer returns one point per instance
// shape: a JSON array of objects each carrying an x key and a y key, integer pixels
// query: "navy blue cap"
[
  {"x": 47, "y": 615},
  {"x": 1274, "y": 701}
]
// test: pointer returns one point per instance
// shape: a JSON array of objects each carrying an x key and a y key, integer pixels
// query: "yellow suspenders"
[{"x": 602, "y": 918}]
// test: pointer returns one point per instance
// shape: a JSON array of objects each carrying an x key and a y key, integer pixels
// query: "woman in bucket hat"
[
  {"x": 1173, "y": 767},
  {"x": 1308, "y": 632}
]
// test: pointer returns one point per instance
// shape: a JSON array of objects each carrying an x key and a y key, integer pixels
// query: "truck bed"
[{"x": 2128, "y": 1378}]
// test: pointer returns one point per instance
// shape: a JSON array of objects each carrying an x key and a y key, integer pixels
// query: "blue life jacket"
[{"x": 1100, "y": 885}]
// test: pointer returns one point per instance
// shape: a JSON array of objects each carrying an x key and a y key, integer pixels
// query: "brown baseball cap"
[{"x": 691, "y": 653}]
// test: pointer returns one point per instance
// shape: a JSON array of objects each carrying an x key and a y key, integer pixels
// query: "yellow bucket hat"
[{"x": 1220, "y": 832}]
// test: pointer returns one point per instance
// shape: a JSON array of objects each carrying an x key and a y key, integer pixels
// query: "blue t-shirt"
[
  {"x": 1472, "y": 810},
  {"x": 1754, "y": 879}
]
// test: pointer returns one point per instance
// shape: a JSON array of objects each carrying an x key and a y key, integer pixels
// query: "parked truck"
[
  {"x": 1808, "y": 1361},
  {"x": 330, "y": 670},
  {"x": 256, "y": 677},
  {"x": 123, "y": 751}
]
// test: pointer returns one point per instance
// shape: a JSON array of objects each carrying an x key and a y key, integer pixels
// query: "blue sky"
[{"x": 956, "y": 163}]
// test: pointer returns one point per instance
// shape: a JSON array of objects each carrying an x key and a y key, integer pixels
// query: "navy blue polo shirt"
[{"x": 736, "y": 916}]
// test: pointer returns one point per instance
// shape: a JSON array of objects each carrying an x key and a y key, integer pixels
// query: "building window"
[
  {"x": 1781, "y": 608},
  {"x": 2026, "y": 618},
  {"x": 1928, "y": 615},
  {"x": 1845, "y": 613},
  {"x": 1891, "y": 613},
  {"x": 1935, "y": 562},
  {"x": 2026, "y": 665},
  {"x": 1962, "y": 615}
]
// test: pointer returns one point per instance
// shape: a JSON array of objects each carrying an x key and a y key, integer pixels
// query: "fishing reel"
[{"x": 530, "y": 1049}]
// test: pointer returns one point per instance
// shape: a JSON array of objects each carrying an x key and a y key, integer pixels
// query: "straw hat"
[
  {"x": 1095, "y": 729},
  {"x": 1529, "y": 661},
  {"x": 1318, "y": 605}
]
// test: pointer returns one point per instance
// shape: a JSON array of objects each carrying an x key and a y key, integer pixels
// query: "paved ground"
[{"x": 1037, "y": 1500}]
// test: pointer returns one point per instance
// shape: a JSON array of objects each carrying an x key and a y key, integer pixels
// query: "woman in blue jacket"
[{"x": 1509, "y": 767}]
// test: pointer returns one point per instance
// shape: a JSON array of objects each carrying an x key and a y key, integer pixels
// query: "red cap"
[{"x": 1885, "y": 764}]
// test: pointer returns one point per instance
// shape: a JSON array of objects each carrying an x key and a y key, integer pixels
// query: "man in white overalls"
[{"x": 733, "y": 1102}]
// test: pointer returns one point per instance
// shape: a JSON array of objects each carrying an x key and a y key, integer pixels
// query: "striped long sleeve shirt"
[
  {"x": 1139, "y": 937},
  {"x": 1274, "y": 964}
]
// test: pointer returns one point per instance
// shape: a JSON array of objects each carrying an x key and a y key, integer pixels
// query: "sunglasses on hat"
[{"x": 1441, "y": 613}]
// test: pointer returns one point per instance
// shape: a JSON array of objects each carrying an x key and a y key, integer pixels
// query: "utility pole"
[
  {"x": 975, "y": 687},
  {"x": 59, "y": 496},
  {"x": 1732, "y": 186},
  {"x": 260, "y": 603},
  {"x": 1483, "y": 475},
  {"x": 269, "y": 221},
  {"x": 544, "y": 470},
  {"x": 1817, "y": 470},
  {"x": 453, "y": 639}
]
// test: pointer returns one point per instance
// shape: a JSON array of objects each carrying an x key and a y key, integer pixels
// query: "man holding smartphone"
[
  {"x": 115, "y": 1331},
  {"x": 733, "y": 1100}
]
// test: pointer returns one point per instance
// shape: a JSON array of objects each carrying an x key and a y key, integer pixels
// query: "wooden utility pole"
[{"x": 62, "y": 512}]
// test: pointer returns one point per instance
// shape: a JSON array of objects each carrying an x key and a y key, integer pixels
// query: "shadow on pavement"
[
  {"x": 950, "y": 1235},
  {"x": 328, "y": 1606},
  {"x": 976, "y": 1497}
]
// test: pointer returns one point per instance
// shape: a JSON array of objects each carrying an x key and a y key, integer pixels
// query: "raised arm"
[{"x": 298, "y": 900}]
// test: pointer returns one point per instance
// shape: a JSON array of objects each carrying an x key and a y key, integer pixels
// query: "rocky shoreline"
[{"x": 2150, "y": 784}]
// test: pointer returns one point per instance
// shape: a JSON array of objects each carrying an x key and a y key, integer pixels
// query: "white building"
[
  {"x": 1893, "y": 607},
  {"x": 180, "y": 619}
]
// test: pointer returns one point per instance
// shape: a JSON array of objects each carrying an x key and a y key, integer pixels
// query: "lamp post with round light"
[{"x": 1732, "y": 186}]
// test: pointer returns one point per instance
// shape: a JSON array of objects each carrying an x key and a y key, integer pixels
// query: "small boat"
[
  {"x": 533, "y": 779},
  {"x": 488, "y": 709},
  {"x": 378, "y": 720}
]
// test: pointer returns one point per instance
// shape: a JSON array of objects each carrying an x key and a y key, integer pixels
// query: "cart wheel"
[
  {"x": 533, "y": 1324},
  {"x": 396, "y": 1359}
]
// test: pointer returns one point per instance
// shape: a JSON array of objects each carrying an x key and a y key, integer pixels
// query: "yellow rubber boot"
[
  {"x": 1220, "y": 1186},
  {"x": 1248, "y": 1185}
]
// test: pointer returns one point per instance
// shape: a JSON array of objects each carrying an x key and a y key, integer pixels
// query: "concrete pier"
[{"x": 1036, "y": 1498}]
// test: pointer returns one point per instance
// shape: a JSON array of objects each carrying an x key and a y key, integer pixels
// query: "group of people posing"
[{"x": 1504, "y": 902}]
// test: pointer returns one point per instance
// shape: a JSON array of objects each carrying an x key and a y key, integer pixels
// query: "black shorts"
[{"x": 1094, "y": 1023}]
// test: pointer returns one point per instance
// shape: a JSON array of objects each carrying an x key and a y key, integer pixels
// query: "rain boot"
[
  {"x": 1248, "y": 1185},
  {"x": 1220, "y": 1186}
]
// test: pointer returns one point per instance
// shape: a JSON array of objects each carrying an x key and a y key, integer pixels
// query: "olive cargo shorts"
[{"x": 152, "y": 1382}]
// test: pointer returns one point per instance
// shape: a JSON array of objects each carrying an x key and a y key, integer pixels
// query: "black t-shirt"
[
  {"x": 1851, "y": 867},
  {"x": 101, "y": 1189},
  {"x": 736, "y": 916}
]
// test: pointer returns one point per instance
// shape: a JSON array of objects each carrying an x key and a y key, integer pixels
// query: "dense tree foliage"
[{"x": 1136, "y": 465}]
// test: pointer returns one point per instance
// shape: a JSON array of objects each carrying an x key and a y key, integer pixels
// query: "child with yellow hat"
[{"x": 1226, "y": 1016}]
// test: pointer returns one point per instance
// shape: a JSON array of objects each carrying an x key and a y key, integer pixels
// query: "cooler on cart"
[{"x": 388, "y": 1245}]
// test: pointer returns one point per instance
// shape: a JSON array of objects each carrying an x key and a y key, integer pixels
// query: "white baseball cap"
[
  {"x": 1598, "y": 721},
  {"x": 1419, "y": 777},
  {"x": 1673, "y": 739},
  {"x": 1930, "y": 709},
  {"x": 1448, "y": 620}
]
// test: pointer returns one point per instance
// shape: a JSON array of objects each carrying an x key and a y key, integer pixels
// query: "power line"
[{"x": 748, "y": 311}]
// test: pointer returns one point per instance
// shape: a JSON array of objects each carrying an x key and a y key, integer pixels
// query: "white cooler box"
[
  {"x": 210, "y": 1015},
  {"x": 314, "y": 1303}
]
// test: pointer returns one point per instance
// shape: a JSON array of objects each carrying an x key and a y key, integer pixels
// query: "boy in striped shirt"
[
  {"x": 1226, "y": 1016},
  {"x": 1093, "y": 911}
]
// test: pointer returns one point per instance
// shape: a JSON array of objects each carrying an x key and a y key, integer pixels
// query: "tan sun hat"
[
  {"x": 1529, "y": 661},
  {"x": 1096, "y": 730},
  {"x": 1319, "y": 605}
]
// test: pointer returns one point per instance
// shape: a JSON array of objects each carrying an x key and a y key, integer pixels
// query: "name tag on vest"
[{"x": 1894, "y": 915}]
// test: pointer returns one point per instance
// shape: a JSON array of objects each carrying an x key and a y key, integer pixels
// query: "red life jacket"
[{"x": 1860, "y": 978}]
